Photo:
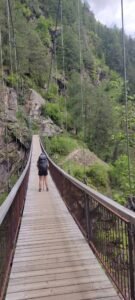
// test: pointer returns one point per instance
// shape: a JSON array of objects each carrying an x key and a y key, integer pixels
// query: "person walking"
[{"x": 43, "y": 166}]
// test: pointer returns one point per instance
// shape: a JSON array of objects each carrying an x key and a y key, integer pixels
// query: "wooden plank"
[
  {"x": 58, "y": 236},
  {"x": 50, "y": 243},
  {"x": 54, "y": 255},
  {"x": 80, "y": 296},
  {"x": 41, "y": 251},
  {"x": 42, "y": 230},
  {"x": 72, "y": 274},
  {"x": 96, "y": 282},
  {"x": 46, "y": 266},
  {"x": 55, "y": 270},
  {"x": 94, "y": 289},
  {"x": 45, "y": 263}
]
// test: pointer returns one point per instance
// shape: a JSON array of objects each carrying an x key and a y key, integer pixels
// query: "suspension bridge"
[{"x": 72, "y": 242}]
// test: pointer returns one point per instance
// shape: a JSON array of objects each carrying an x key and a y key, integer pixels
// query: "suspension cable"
[
  {"x": 62, "y": 38},
  {"x": 53, "y": 50},
  {"x": 9, "y": 37},
  {"x": 1, "y": 59},
  {"x": 81, "y": 86},
  {"x": 125, "y": 94},
  {"x": 5, "y": 119},
  {"x": 56, "y": 65},
  {"x": 63, "y": 61},
  {"x": 56, "y": 70},
  {"x": 16, "y": 62},
  {"x": 14, "y": 42}
]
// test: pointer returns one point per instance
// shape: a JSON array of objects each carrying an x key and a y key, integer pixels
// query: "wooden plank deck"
[{"x": 52, "y": 259}]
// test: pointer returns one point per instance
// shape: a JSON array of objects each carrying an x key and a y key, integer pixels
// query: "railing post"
[
  {"x": 131, "y": 239},
  {"x": 87, "y": 216}
]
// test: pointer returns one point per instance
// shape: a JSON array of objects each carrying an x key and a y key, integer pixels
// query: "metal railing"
[
  {"x": 10, "y": 218},
  {"x": 108, "y": 227}
]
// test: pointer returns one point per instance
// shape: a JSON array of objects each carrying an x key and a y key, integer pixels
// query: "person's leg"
[
  {"x": 46, "y": 182},
  {"x": 40, "y": 183},
  {"x": 43, "y": 182}
]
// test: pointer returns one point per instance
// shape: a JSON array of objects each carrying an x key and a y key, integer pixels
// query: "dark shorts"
[{"x": 42, "y": 172}]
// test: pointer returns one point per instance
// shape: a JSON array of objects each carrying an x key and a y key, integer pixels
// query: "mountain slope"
[{"x": 85, "y": 98}]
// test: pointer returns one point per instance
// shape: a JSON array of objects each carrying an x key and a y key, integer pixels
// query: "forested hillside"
[{"x": 76, "y": 64}]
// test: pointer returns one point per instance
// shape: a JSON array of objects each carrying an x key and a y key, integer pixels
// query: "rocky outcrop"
[
  {"x": 84, "y": 157},
  {"x": 14, "y": 148},
  {"x": 14, "y": 133},
  {"x": 48, "y": 128},
  {"x": 11, "y": 158},
  {"x": 8, "y": 104},
  {"x": 33, "y": 104},
  {"x": 12, "y": 106},
  {"x": 14, "y": 140}
]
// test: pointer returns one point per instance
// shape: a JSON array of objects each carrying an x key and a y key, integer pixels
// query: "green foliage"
[
  {"x": 77, "y": 171},
  {"x": 119, "y": 175},
  {"x": 52, "y": 94},
  {"x": 26, "y": 11},
  {"x": 62, "y": 145},
  {"x": 71, "y": 51},
  {"x": 35, "y": 127},
  {"x": 43, "y": 26},
  {"x": 114, "y": 86},
  {"x": 21, "y": 99},
  {"x": 3, "y": 197},
  {"x": 75, "y": 101},
  {"x": 13, "y": 179},
  {"x": 29, "y": 83},
  {"x": 99, "y": 175},
  {"x": 22, "y": 118},
  {"x": 12, "y": 80},
  {"x": 74, "y": 169},
  {"x": 53, "y": 111},
  {"x": 95, "y": 100},
  {"x": 119, "y": 197},
  {"x": 99, "y": 122},
  {"x": 20, "y": 115}
]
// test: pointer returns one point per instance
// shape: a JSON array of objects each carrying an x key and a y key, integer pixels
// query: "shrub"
[
  {"x": 53, "y": 111},
  {"x": 35, "y": 127},
  {"x": 78, "y": 172},
  {"x": 62, "y": 145},
  {"x": 119, "y": 197},
  {"x": 12, "y": 80},
  {"x": 26, "y": 11},
  {"x": 119, "y": 173},
  {"x": 98, "y": 174},
  {"x": 23, "y": 118},
  {"x": 3, "y": 196},
  {"x": 42, "y": 28},
  {"x": 52, "y": 94},
  {"x": 74, "y": 169}
]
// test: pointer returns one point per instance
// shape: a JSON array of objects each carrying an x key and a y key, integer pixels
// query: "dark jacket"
[{"x": 42, "y": 162}]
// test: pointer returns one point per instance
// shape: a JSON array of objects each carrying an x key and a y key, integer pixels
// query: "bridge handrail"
[
  {"x": 108, "y": 227},
  {"x": 117, "y": 208},
  {"x": 10, "y": 219},
  {"x": 10, "y": 198}
]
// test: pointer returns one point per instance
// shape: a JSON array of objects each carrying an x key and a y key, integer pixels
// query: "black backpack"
[{"x": 42, "y": 162}]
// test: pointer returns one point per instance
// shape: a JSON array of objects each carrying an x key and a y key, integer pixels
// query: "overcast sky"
[{"x": 108, "y": 12}]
